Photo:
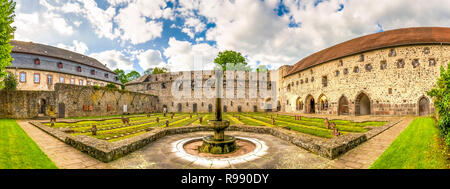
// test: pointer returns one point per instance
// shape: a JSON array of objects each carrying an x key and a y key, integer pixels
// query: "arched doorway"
[
  {"x": 43, "y": 106},
  {"x": 299, "y": 104},
  {"x": 210, "y": 108},
  {"x": 278, "y": 106},
  {"x": 225, "y": 109},
  {"x": 323, "y": 102},
  {"x": 362, "y": 105},
  {"x": 310, "y": 104},
  {"x": 343, "y": 106},
  {"x": 179, "y": 107},
  {"x": 194, "y": 107},
  {"x": 239, "y": 108},
  {"x": 424, "y": 106},
  {"x": 255, "y": 108},
  {"x": 164, "y": 107}
]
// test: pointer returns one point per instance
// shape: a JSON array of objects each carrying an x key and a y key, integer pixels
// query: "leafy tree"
[
  {"x": 148, "y": 71},
  {"x": 234, "y": 60},
  {"x": 161, "y": 70},
  {"x": 262, "y": 68},
  {"x": 133, "y": 75},
  {"x": 441, "y": 98},
  {"x": 111, "y": 86},
  {"x": 6, "y": 34},
  {"x": 10, "y": 82}
]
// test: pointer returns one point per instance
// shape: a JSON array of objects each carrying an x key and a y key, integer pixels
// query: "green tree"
[
  {"x": 148, "y": 71},
  {"x": 158, "y": 70},
  {"x": 133, "y": 75},
  {"x": 234, "y": 60},
  {"x": 6, "y": 34},
  {"x": 10, "y": 82},
  {"x": 262, "y": 68},
  {"x": 441, "y": 98}
]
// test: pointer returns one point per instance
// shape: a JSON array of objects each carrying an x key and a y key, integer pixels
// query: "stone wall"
[
  {"x": 163, "y": 84},
  {"x": 24, "y": 104},
  {"x": 393, "y": 90},
  {"x": 74, "y": 101}
]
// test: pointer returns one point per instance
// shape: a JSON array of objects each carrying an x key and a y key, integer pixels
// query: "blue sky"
[{"x": 141, "y": 34}]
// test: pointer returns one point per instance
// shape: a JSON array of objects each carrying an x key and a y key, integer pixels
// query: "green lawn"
[
  {"x": 417, "y": 147},
  {"x": 18, "y": 151},
  {"x": 107, "y": 116}
]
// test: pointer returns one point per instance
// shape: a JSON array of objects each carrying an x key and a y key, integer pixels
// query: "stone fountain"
[{"x": 219, "y": 143}]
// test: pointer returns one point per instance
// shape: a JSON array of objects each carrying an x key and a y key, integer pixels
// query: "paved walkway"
[
  {"x": 66, "y": 157},
  {"x": 63, "y": 155},
  {"x": 364, "y": 155}
]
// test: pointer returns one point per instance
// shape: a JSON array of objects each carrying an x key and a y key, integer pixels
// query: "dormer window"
[
  {"x": 116, "y": 78},
  {"x": 37, "y": 61},
  {"x": 79, "y": 68},
  {"x": 92, "y": 72},
  {"x": 60, "y": 65},
  {"x": 106, "y": 75}
]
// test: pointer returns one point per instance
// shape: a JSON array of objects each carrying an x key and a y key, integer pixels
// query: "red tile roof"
[{"x": 392, "y": 38}]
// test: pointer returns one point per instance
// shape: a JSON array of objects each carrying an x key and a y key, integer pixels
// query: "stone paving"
[
  {"x": 281, "y": 154},
  {"x": 364, "y": 155},
  {"x": 63, "y": 155}
]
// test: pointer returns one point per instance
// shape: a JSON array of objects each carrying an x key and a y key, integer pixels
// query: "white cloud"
[
  {"x": 184, "y": 56},
  {"x": 134, "y": 27},
  {"x": 150, "y": 59},
  {"x": 77, "y": 46},
  {"x": 114, "y": 59}
]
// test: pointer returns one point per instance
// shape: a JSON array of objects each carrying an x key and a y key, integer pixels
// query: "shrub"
[
  {"x": 10, "y": 82},
  {"x": 111, "y": 86},
  {"x": 441, "y": 98}
]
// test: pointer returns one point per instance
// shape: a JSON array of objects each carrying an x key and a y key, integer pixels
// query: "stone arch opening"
[
  {"x": 239, "y": 108},
  {"x": 43, "y": 106},
  {"x": 278, "y": 106},
  {"x": 310, "y": 105},
  {"x": 362, "y": 104},
  {"x": 323, "y": 102},
  {"x": 194, "y": 107},
  {"x": 179, "y": 107},
  {"x": 424, "y": 106},
  {"x": 255, "y": 108},
  {"x": 299, "y": 104},
  {"x": 343, "y": 106},
  {"x": 225, "y": 109},
  {"x": 210, "y": 108},
  {"x": 164, "y": 107}
]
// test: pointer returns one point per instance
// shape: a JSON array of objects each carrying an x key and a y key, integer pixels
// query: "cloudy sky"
[{"x": 141, "y": 34}]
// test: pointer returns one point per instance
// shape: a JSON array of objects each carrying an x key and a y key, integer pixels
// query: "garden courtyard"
[{"x": 409, "y": 142}]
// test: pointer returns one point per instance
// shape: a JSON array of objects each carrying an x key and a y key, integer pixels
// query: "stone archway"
[
  {"x": 239, "y": 108},
  {"x": 225, "y": 109},
  {"x": 210, "y": 108},
  {"x": 310, "y": 105},
  {"x": 278, "y": 106},
  {"x": 255, "y": 108},
  {"x": 362, "y": 105},
  {"x": 43, "y": 106},
  {"x": 179, "y": 107},
  {"x": 343, "y": 106},
  {"x": 323, "y": 102},
  {"x": 194, "y": 107},
  {"x": 299, "y": 104},
  {"x": 424, "y": 106}
]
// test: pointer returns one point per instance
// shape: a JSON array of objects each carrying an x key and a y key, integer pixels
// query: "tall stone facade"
[
  {"x": 74, "y": 101},
  {"x": 388, "y": 81}
]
